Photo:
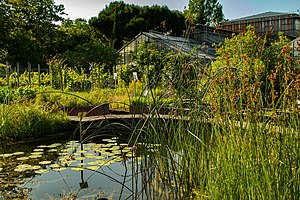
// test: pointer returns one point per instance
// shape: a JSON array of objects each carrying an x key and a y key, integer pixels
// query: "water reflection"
[{"x": 106, "y": 170}]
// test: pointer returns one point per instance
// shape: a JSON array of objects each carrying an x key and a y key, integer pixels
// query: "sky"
[{"x": 232, "y": 9}]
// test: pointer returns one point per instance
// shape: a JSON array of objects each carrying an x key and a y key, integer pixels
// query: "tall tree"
[
  {"x": 120, "y": 22},
  {"x": 27, "y": 29},
  {"x": 205, "y": 12}
]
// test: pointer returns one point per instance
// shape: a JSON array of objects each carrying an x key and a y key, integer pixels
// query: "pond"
[{"x": 104, "y": 170}]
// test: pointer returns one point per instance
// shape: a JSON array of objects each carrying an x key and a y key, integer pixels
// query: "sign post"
[
  {"x": 296, "y": 51},
  {"x": 115, "y": 79},
  {"x": 135, "y": 78}
]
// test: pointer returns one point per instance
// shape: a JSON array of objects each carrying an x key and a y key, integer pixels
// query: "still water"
[{"x": 108, "y": 170}]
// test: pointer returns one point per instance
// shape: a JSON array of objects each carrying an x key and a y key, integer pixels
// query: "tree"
[
  {"x": 93, "y": 52},
  {"x": 120, "y": 22},
  {"x": 205, "y": 12},
  {"x": 28, "y": 29}
]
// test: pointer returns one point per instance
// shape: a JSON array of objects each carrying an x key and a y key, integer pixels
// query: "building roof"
[
  {"x": 179, "y": 44},
  {"x": 265, "y": 15}
]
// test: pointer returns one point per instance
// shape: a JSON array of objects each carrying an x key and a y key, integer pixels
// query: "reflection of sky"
[
  {"x": 53, "y": 185},
  {"x": 57, "y": 184}
]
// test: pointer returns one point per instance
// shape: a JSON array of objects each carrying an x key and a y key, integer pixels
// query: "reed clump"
[{"x": 241, "y": 139}]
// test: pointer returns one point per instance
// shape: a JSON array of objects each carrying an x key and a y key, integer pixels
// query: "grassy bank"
[{"x": 26, "y": 121}]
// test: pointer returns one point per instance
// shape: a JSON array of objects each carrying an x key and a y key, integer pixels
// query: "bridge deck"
[{"x": 124, "y": 116}]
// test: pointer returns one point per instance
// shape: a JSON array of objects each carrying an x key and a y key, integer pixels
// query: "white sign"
[
  {"x": 135, "y": 76},
  {"x": 296, "y": 50},
  {"x": 296, "y": 47},
  {"x": 115, "y": 76}
]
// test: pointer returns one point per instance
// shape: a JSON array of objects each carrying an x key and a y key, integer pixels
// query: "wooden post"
[
  {"x": 18, "y": 74},
  {"x": 29, "y": 73},
  {"x": 7, "y": 74},
  {"x": 39, "y": 74},
  {"x": 92, "y": 75}
]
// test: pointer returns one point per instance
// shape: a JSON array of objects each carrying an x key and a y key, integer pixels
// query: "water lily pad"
[
  {"x": 35, "y": 156},
  {"x": 18, "y": 153},
  {"x": 35, "y": 167},
  {"x": 52, "y": 150},
  {"x": 77, "y": 168},
  {"x": 94, "y": 168},
  {"x": 45, "y": 162},
  {"x": 130, "y": 154},
  {"x": 23, "y": 168},
  {"x": 36, "y": 153},
  {"x": 42, "y": 146},
  {"x": 80, "y": 158},
  {"x": 23, "y": 158},
  {"x": 117, "y": 152},
  {"x": 81, "y": 164},
  {"x": 7, "y": 155},
  {"x": 93, "y": 163},
  {"x": 115, "y": 148},
  {"x": 38, "y": 150},
  {"x": 54, "y": 166},
  {"x": 41, "y": 171},
  {"x": 100, "y": 162},
  {"x": 118, "y": 159},
  {"x": 112, "y": 141},
  {"x": 106, "y": 164},
  {"x": 99, "y": 157},
  {"x": 89, "y": 155},
  {"x": 63, "y": 154},
  {"x": 59, "y": 169},
  {"x": 92, "y": 144},
  {"x": 55, "y": 145},
  {"x": 123, "y": 144},
  {"x": 81, "y": 151}
]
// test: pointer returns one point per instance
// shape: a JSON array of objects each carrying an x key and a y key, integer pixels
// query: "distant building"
[
  {"x": 268, "y": 22},
  {"x": 210, "y": 35},
  {"x": 167, "y": 43}
]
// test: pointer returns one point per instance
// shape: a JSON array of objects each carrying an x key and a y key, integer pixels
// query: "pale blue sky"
[{"x": 232, "y": 8}]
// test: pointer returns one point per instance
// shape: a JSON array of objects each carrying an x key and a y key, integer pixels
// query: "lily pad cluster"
[{"x": 72, "y": 155}]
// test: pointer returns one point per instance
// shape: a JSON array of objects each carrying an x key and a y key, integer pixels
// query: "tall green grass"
[
  {"x": 25, "y": 121},
  {"x": 239, "y": 142}
]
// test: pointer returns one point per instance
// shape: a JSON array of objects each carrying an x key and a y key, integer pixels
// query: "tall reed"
[{"x": 240, "y": 137}]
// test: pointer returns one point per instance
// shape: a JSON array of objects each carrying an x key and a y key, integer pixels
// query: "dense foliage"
[
  {"x": 205, "y": 12},
  {"x": 35, "y": 31},
  {"x": 253, "y": 73},
  {"x": 28, "y": 29},
  {"x": 121, "y": 22}
]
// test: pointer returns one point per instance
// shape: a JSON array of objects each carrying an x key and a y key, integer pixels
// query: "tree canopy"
[
  {"x": 205, "y": 12},
  {"x": 35, "y": 31},
  {"x": 27, "y": 28},
  {"x": 120, "y": 22}
]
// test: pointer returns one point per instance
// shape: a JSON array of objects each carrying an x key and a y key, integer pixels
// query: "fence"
[{"x": 12, "y": 77}]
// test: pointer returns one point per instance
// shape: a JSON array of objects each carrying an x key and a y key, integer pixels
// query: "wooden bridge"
[
  {"x": 123, "y": 116},
  {"x": 104, "y": 113}
]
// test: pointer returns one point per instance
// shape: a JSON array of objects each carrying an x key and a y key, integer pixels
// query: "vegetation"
[
  {"x": 31, "y": 33},
  {"x": 233, "y": 126},
  {"x": 242, "y": 145},
  {"x": 205, "y": 12},
  {"x": 121, "y": 22}
]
